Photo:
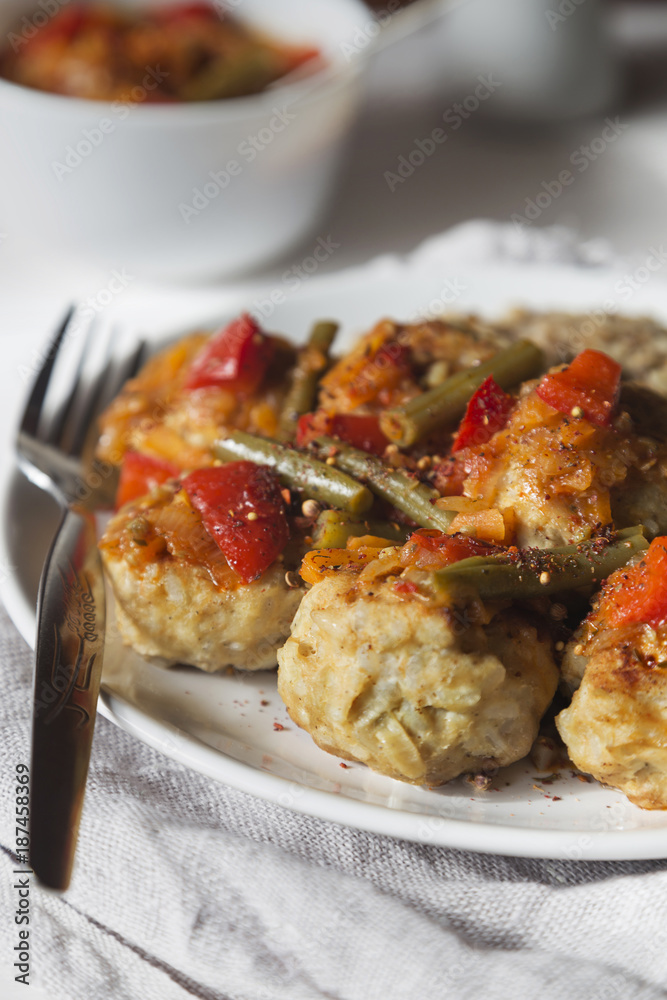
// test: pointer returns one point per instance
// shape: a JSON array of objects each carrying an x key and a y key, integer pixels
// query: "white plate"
[{"x": 229, "y": 727}]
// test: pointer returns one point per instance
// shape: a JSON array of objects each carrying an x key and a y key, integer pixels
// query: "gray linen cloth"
[{"x": 186, "y": 888}]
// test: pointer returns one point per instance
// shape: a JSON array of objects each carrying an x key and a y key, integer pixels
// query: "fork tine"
[
  {"x": 101, "y": 391},
  {"x": 33, "y": 408},
  {"x": 53, "y": 427},
  {"x": 126, "y": 367},
  {"x": 95, "y": 363}
]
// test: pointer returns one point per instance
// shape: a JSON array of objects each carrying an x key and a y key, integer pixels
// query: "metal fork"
[{"x": 82, "y": 370}]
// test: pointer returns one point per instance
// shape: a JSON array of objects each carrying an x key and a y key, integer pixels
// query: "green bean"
[
  {"x": 539, "y": 572},
  {"x": 316, "y": 479},
  {"x": 246, "y": 73},
  {"x": 416, "y": 419},
  {"x": 415, "y": 499},
  {"x": 334, "y": 527},
  {"x": 312, "y": 361}
]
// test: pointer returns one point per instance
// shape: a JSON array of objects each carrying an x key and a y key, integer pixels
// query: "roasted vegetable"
[
  {"x": 312, "y": 361},
  {"x": 294, "y": 468},
  {"x": 527, "y": 573},
  {"x": 442, "y": 406},
  {"x": 407, "y": 494},
  {"x": 589, "y": 387},
  {"x": 334, "y": 527}
]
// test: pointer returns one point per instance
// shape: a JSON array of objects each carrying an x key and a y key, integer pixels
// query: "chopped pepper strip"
[
  {"x": 360, "y": 430},
  {"x": 589, "y": 387},
  {"x": 61, "y": 28},
  {"x": 140, "y": 474},
  {"x": 638, "y": 593},
  {"x": 435, "y": 549},
  {"x": 487, "y": 412},
  {"x": 242, "y": 509},
  {"x": 236, "y": 358},
  {"x": 198, "y": 9}
]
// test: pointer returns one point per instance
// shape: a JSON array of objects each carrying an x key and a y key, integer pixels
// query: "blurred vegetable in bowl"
[
  {"x": 185, "y": 190},
  {"x": 101, "y": 51}
]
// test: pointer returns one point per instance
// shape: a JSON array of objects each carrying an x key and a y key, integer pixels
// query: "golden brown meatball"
[
  {"x": 560, "y": 477},
  {"x": 616, "y": 726},
  {"x": 176, "y": 596},
  {"x": 415, "y": 691}
]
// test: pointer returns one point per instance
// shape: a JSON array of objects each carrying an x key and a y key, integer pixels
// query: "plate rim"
[{"x": 456, "y": 834}]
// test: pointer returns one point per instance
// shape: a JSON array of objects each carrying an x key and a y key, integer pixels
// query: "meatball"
[
  {"x": 418, "y": 692},
  {"x": 616, "y": 724},
  {"x": 562, "y": 477},
  {"x": 177, "y": 598}
]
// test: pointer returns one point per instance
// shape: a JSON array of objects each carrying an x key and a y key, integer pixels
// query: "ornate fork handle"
[{"x": 70, "y": 646}]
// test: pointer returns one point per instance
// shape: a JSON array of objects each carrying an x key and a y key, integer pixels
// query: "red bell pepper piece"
[
  {"x": 434, "y": 549},
  {"x": 486, "y": 413},
  {"x": 185, "y": 11},
  {"x": 638, "y": 593},
  {"x": 310, "y": 426},
  {"x": 236, "y": 358},
  {"x": 591, "y": 384},
  {"x": 63, "y": 26},
  {"x": 242, "y": 509},
  {"x": 360, "y": 430},
  {"x": 140, "y": 474}
]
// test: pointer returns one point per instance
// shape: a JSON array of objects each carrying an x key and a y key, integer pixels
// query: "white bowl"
[{"x": 184, "y": 191}]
